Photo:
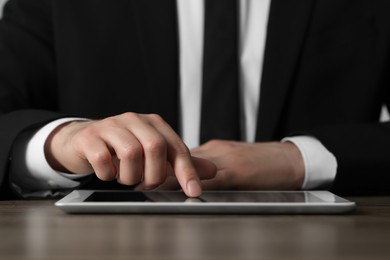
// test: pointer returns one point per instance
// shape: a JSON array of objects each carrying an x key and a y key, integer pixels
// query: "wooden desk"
[{"x": 38, "y": 230}]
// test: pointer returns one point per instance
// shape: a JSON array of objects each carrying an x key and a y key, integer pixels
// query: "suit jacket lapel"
[
  {"x": 157, "y": 28},
  {"x": 287, "y": 26}
]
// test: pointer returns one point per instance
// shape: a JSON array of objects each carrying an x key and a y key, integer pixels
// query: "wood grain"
[{"x": 38, "y": 230}]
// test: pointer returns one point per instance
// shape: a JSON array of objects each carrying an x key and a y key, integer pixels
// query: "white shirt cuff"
[
  {"x": 320, "y": 164},
  {"x": 37, "y": 165}
]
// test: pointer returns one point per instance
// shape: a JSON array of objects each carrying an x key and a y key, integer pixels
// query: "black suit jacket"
[{"x": 325, "y": 73}]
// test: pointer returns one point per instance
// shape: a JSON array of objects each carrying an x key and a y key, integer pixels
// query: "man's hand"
[
  {"x": 259, "y": 166},
  {"x": 244, "y": 166},
  {"x": 132, "y": 148}
]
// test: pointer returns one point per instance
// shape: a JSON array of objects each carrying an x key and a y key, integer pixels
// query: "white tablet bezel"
[{"x": 74, "y": 203}]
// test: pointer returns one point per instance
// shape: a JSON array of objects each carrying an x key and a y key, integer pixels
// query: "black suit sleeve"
[
  {"x": 363, "y": 156},
  {"x": 27, "y": 73},
  {"x": 362, "y": 148}
]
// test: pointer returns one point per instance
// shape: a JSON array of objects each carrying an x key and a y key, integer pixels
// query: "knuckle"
[
  {"x": 156, "y": 117},
  {"x": 189, "y": 172},
  {"x": 108, "y": 122},
  {"x": 155, "y": 147},
  {"x": 130, "y": 116},
  {"x": 215, "y": 142},
  {"x": 100, "y": 158},
  {"x": 85, "y": 134},
  {"x": 158, "y": 120},
  {"x": 181, "y": 149},
  {"x": 130, "y": 151}
]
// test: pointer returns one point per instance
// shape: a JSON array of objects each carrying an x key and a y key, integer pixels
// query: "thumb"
[{"x": 205, "y": 168}]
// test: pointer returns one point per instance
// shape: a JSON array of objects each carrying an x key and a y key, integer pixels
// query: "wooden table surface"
[{"x": 38, "y": 230}]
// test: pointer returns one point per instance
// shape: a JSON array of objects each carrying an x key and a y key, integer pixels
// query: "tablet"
[{"x": 210, "y": 202}]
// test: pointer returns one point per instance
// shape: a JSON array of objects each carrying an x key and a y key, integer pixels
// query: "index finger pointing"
[
  {"x": 186, "y": 175},
  {"x": 180, "y": 158}
]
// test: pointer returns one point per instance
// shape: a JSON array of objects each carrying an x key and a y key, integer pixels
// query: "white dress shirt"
[{"x": 320, "y": 164}]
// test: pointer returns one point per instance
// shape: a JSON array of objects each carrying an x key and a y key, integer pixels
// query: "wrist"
[
  {"x": 295, "y": 163},
  {"x": 51, "y": 153},
  {"x": 320, "y": 163},
  {"x": 55, "y": 144}
]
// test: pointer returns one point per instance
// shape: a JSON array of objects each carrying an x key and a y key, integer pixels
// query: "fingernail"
[{"x": 193, "y": 188}]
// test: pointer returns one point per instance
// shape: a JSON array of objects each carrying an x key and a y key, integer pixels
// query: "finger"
[
  {"x": 170, "y": 174},
  {"x": 154, "y": 148},
  {"x": 205, "y": 168},
  {"x": 171, "y": 183},
  {"x": 208, "y": 174},
  {"x": 185, "y": 172},
  {"x": 219, "y": 182},
  {"x": 99, "y": 156},
  {"x": 129, "y": 152},
  {"x": 180, "y": 159}
]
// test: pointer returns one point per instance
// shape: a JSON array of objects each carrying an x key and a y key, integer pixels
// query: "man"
[{"x": 324, "y": 77}]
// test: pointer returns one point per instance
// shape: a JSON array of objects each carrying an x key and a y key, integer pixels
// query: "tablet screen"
[
  {"x": 210, "y": 202},
  {"x": 206, "y": 197}
]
